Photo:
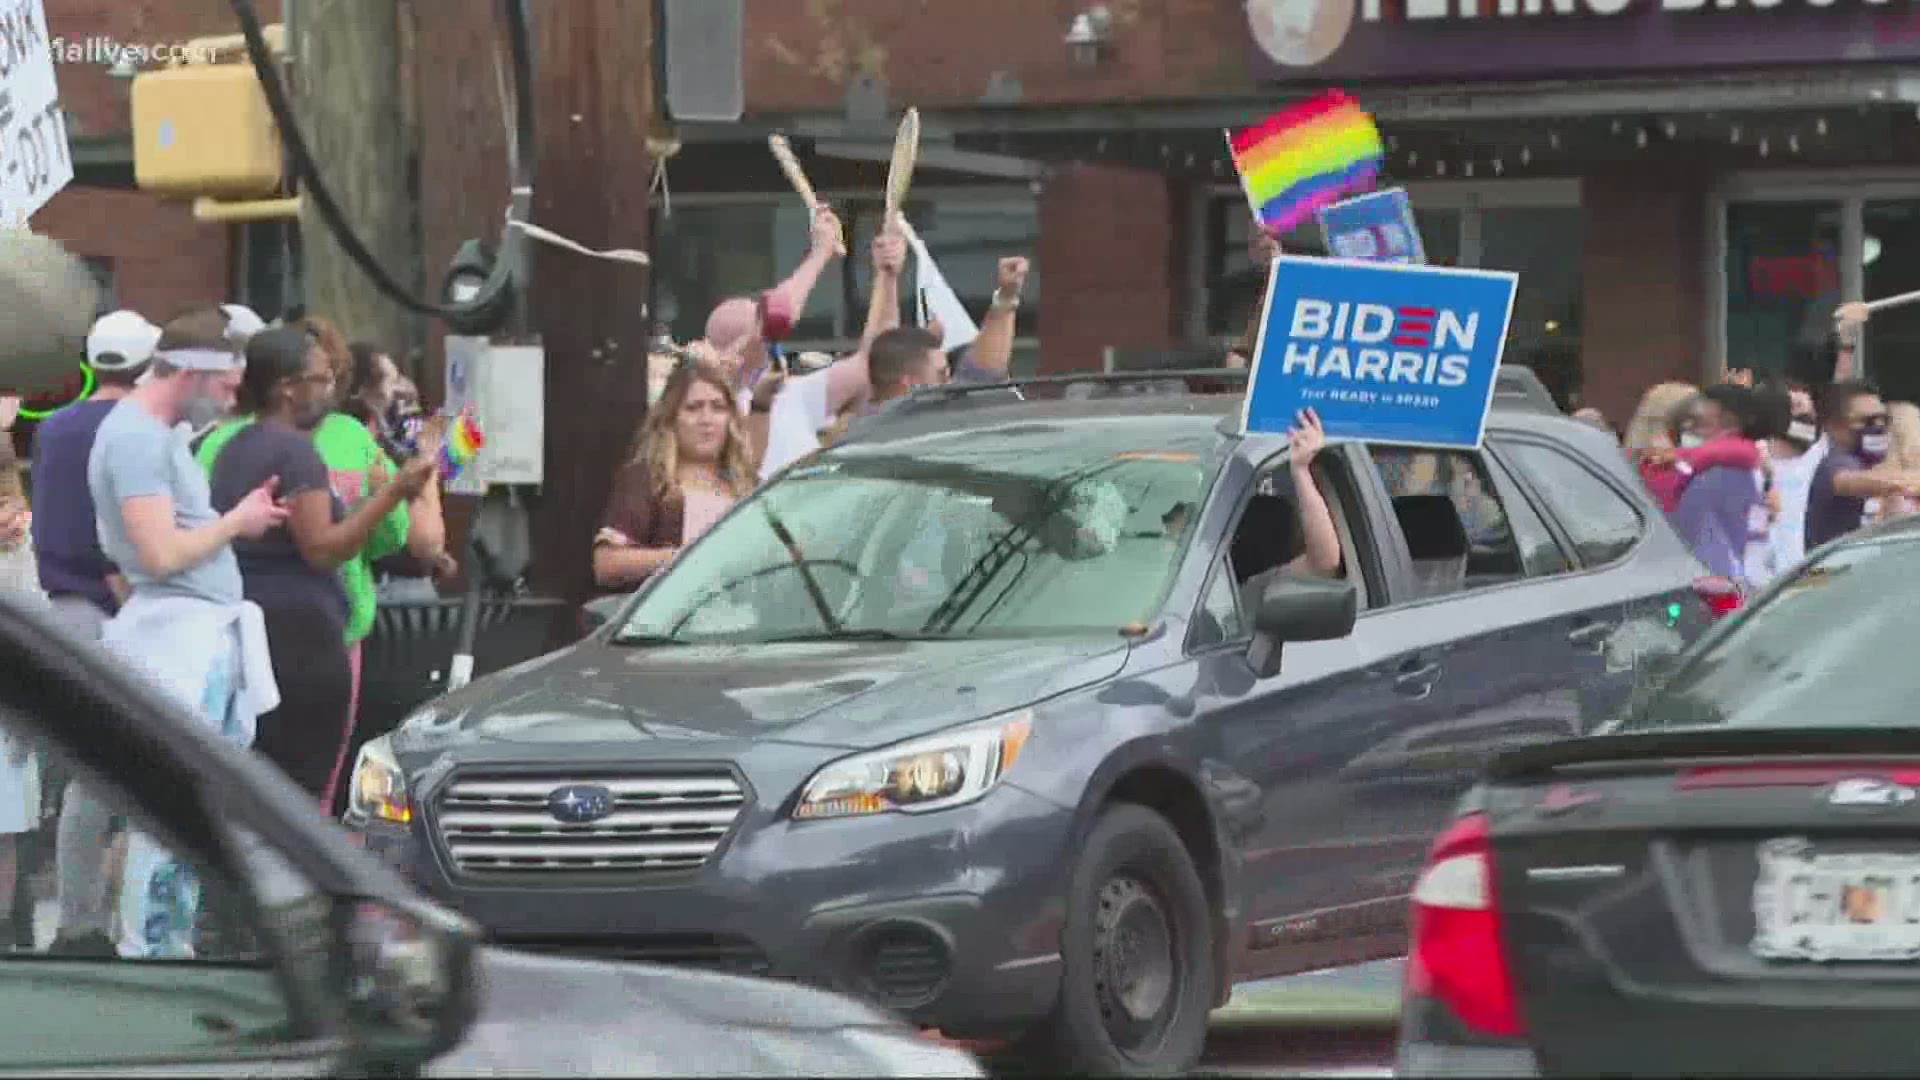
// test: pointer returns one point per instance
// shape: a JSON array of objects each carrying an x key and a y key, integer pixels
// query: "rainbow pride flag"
[
  {"x": 1306, "y": 156},
  {"x": 463, "y": 443}
]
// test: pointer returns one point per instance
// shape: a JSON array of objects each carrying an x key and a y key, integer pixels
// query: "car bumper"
[
  {"x": 949, "y": 919},
  {"x": 1434, "y": 1043}
]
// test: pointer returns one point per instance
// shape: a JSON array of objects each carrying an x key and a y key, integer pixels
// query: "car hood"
[
  {"x": 850, "y": 695},
  {"x": 548, "y": 1016}
]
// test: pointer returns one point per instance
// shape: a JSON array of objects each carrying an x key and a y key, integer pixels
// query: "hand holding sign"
[{"x": 1306, "y": 439}]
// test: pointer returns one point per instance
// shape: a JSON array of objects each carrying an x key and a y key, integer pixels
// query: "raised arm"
[
  {"x": 847, "y": 379},
  {"x": 991, "y": 354},
  {"x": 1322, "y": 541},
  {"x": 325, "y": 543},
  {"x": 825, "y": 241}
]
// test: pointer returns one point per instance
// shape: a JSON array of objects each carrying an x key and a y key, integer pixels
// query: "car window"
[
  {"x": 1455, "y": 525},
  {"x": 1540, "y": 552},
  {"x": 1825, "y": 648},
  {"x": 902, "y": 545},
  {"x": 123, "y": 951},
  {"x": 1601, "y": 522},
  {"x": 1219, "y": 618},
  {"x": 1268, "y": 536}
]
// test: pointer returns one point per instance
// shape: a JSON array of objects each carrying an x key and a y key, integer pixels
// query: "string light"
[
  {"x": 1736, "y": 134},
  {"x": 1763, "y": 147},
  {"x": 1820, "y": 127},
  {"x": 1499, "y": 167},
  {"x": 1671, "y": 129},
  {"x": 1793, "y": 144},
  {"x": 1526, "y": 155},
  {"x": 1640, "y": 138},
  {"x": 1553, "y": 140}
]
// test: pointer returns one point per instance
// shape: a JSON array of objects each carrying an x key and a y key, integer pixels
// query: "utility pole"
[
  {"x": 350, "y": 98},
  {"x": 593, "y": 84}
]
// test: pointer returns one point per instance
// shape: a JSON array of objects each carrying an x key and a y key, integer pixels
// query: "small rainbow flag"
[
  {"x": 1305, "y": 157},
  {"x": 462, "y": 445}
]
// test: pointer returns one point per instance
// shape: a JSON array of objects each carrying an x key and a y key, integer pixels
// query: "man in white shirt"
[{"x": 806, "y": 406}]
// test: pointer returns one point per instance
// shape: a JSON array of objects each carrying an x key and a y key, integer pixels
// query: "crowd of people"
[
  {"x": 1754, "y": 474},
  {"x": 215, "y": 514}
]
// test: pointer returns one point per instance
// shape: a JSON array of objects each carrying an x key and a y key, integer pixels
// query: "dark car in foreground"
[
  {"x": 993, "y": 716},
  {"x": 1725, "y": 880},
  {"x": 308, "y": 957}
]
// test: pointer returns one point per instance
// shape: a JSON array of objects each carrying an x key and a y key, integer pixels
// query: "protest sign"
[
  {"x": 1402, "y": 355},
  {"x": 34, "y": 162},
  {"x": 1376, "y": 227}
]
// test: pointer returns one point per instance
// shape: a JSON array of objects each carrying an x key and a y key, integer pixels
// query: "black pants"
[{"x": 306, "y": 734}]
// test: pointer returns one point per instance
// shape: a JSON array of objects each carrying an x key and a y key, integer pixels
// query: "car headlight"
[
  {"x": 379, "y": 790},
  {"x": 933, "y": 773}
]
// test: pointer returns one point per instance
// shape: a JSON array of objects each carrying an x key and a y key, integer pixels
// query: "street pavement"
[{"x": 1326, "y": 1023}]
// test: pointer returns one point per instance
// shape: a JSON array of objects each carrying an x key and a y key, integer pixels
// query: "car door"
[
  {"x": 1503, "y": 677},
  {"x": 1309, "y": 859},
  {"x": 1618, "y": 608}
]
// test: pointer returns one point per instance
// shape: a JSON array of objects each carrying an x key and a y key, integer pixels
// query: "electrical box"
[{"x": 205, "y": 130}]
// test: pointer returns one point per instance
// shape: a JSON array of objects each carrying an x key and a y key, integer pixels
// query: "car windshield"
[
  {"x": 1015, "y": 530},
  {"x": 1834, "y": 646}
]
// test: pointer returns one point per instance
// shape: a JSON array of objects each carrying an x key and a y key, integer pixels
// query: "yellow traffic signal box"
[{"x": 205, "y": 130}]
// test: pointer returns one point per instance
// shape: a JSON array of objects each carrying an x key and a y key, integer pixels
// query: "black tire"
[{"x": 1133, "y": 867}]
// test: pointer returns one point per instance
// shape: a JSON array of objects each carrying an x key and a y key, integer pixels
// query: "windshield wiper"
[
  {"x": 645, "y": 639},
  {"x": 852, "y": 635},
  {"x": 799, "y": 558}
]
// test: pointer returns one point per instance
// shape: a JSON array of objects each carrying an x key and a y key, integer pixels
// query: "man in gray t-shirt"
[{"x": 135, "y": 455}]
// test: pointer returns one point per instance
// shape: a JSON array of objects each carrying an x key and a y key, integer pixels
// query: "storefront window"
[
  {"x": 1543, "y": 244},
  {"x": 1890, "y": 242},
  {"x": 1783, "y": 282},
  {"x": 706, "y": 253}
]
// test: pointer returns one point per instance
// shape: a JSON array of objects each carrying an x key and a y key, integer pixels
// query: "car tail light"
[
  {"x": 1456, "y": 957},
  {"x": 1721, "y": 596}
]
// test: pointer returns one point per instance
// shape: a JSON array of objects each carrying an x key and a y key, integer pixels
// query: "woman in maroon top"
[{"x": 691, "y": 464}]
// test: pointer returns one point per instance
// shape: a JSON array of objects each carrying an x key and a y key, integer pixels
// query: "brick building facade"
[{"x": 1678, "y": 187}]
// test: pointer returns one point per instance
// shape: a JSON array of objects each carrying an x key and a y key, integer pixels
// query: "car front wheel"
[{"x": 1137, "y": 953}]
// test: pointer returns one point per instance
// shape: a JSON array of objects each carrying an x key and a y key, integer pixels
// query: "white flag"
[{"x": 937, "y": 298}]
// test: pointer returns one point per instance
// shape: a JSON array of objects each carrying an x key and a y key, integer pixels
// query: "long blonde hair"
[
  {"x": 1903, "y": 428},
  {"x": 658, "y": 444},
  {"x": 1652, "y": 422}
]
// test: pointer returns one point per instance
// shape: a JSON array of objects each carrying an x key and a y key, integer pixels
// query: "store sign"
[
  {"x": 34, "y": 163},
  {"x": 1400, "y": 40}
]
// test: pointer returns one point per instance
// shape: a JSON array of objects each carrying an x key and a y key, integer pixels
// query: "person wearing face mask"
[
  {"x": 1716, "y": 508},
  {"x": 1855, "y": 421},
  {"x": 186, "y": 623},
  {"x": 691, "y": 464},
  {"x": 292, "y": 572},
  {"x": 1903, "y": 429},
  {"x": 1795, "y": 456}
]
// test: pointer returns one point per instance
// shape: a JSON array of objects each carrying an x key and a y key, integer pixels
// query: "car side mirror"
[
  {"x": 405, "y": 981},
  {"x": 600, "y": 612},
  {"x": 1299, "y": 609}
]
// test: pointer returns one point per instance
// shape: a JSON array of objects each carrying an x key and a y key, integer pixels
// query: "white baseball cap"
[
  {"x": 121, "y": 341},
  {"x": 242, "y": 322}
]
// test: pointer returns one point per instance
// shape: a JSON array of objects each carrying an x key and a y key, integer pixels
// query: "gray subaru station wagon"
[{"x": 992, "y": 715}]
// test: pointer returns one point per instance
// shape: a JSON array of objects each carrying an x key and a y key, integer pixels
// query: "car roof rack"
[{"x": 1515, "y": 386}]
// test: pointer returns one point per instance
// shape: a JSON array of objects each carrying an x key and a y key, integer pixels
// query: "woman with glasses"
[{"x": 293, "y": 572}]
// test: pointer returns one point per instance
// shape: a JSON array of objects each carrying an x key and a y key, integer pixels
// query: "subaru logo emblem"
[
  {"x": 577, "y": 804},
  {"x": 1869, "y": 791}
]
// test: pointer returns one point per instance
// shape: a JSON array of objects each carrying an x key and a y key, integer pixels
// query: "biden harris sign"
[{"x": 1386, "y": 354}]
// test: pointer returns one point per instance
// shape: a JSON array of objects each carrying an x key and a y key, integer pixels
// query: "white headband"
[{"x": 199, "y": 359}]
